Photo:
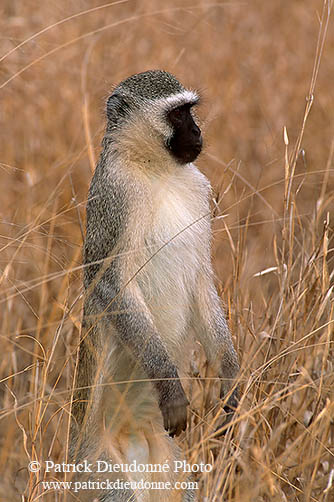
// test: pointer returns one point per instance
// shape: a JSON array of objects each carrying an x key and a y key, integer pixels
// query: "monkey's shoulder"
[{"x": 107, "y": 213}]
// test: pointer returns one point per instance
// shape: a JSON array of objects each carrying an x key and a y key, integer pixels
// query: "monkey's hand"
[
  {"x": 228, "y": 373},
  {"x": 173, "y": 405},
  {"x": 230, "y": 407}
]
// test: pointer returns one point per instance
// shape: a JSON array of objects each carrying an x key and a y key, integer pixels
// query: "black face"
[{"x": 186, "y": 142}]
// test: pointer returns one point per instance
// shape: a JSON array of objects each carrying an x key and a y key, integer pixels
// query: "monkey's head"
[{"x": 150, "y": 117}]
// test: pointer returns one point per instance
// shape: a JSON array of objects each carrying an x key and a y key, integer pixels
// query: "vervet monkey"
[{"x": 148, "y": 285}]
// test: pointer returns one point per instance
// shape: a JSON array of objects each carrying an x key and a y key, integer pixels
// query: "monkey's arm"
[
  {"x": 134, "y": 328},
  {"x": 213, "y": 333}
]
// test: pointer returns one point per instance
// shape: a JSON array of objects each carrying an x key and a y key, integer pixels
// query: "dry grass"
[{"x": 255, "y": 63}]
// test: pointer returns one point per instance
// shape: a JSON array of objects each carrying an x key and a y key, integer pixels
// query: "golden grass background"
[{"x": 260, "y": 66}]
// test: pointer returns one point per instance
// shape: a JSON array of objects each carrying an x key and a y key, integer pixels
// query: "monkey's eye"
[{"x": 176, "y": 115}]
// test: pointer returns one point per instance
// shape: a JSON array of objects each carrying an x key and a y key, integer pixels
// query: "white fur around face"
[{"x": 175, "y": 100}]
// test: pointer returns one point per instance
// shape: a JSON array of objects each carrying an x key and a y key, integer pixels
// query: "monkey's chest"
[{"x": 175, "y": 246}]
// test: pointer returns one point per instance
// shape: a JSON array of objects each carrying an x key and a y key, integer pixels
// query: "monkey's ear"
[{"x": 117, "y": 107}]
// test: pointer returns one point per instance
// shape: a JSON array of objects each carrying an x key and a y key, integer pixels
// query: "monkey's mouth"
[
  {"x": 186, "y": 152},
  {"x": 189, "y": 156},
  {"x": 194, "y": 150},
  {"x": 198, "y": 146}
]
